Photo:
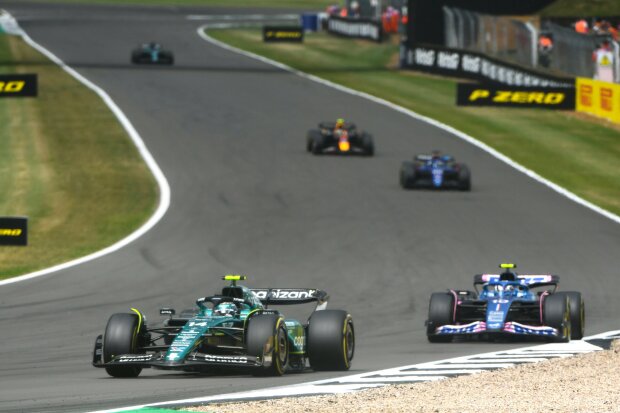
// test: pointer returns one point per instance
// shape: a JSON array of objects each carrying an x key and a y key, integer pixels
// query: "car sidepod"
[{"x": 296, "y": 334}]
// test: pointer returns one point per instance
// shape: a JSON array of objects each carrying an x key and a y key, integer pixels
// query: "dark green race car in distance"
[{"x": 233, "y": 329}]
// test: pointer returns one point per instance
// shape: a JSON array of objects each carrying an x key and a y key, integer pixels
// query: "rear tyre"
[
  {"x": 407, "y": 175},
  {"x": 464, "y": 178},
  {"x": 556, "y": 315},
  {"x": 440, "y": 312},
  {"x": 331, "y": 340},
  {"x": 577, "y": 314},
  {"x": 267, "y": 338},
  {"x": 312, "y": 136},
  {"x": 368, "y": 144},
  {"x": 121, "y": 336}
]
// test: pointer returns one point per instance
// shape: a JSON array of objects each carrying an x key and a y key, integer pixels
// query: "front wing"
[
  {"x": 334, "y": 149},
  {"x": 511, "y": 327},
  {"x": 191, "y": 362}
]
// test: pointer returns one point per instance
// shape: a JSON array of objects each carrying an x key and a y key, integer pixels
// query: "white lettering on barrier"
[
  {"x": 448, "y": 60},
  {"x": 425, "y": 57},
  {"x": 471, "y": 63}
]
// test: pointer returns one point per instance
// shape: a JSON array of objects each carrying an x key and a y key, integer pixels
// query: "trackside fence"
[
  {"x": 572, "y": 51},
  {"x": 501, "y": 37}
]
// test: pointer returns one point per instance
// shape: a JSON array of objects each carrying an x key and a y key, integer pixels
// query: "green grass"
[
  {"x": 283, "y": 4},
  {"x": 584, "y": 8},
  {"x": 68, "y": 165},
  {"x": 580, "y": 155}
]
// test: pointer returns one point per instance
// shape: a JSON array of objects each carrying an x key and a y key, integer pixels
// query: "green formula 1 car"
[{"x": 233, "y": 329}]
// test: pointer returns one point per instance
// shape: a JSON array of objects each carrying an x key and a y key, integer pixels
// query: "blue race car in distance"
[
  {"x": 234, "y": 329},
  {"x": 435, "y": 171},
  {"x": 151, "y": 53},
  {"x": 507, "y": 304}
]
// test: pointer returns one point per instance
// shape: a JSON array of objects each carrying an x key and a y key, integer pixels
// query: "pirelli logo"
[
  {"x": 534, "y": 97},
  {"x": 13, "y": 231},
  {"x": 283, "y": 34},
  {"x": 18, "y": 85}
]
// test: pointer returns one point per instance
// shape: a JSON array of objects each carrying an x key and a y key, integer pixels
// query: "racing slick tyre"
[
  {"x": 312, "y": 137},
  {"x": 464, "y": 178},
  {"x": 135, "y": 57},
  {"x": 577, "y": 313},
  {"x": 331, "y": 340},
  {"x": 556, "y": 315},
  {"x": 368, "y": 144},
  {"x": 266, "y": 336},
  {"x": 440, "y": 312},
  {"x": 407, "y": 175},
  {"x": 166, "y": 58},
  {"x": 318, "y": 142},
  {"x": 120, "y": 337}
]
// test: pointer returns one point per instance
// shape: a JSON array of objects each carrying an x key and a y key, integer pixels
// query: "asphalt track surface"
[{"x": 229, "y": 132}]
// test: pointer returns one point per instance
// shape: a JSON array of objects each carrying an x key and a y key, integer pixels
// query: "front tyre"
[
  {"x": 121, "y": 336},
  {"x": 368, "y": 145},
  {"x": 406, "y": 177},
  {"x": 318, "y": 142},
  {"x": 464, "y": 178},
  {"x": 266, "y": 338},
  {"x": 440, "y": 313},
  {"x": 331, "y": 340},
  {"x": 312, "y": 137},
  {"x": 577, "y": 314},
  {"x": 556, "y": 315}
]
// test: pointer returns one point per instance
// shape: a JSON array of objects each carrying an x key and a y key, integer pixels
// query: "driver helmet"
[
  {"x": 225, "y": 310},
  {"x": 339, "y": 123}
]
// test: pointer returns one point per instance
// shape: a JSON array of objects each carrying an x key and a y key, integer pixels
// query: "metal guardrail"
[{"x": 498, "y": 36}]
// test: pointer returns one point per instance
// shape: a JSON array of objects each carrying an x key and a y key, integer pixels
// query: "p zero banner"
[
  {"x": 18, "y": 85},
  {"x": 13, "y": 231},
  {"x": 470, "y": 94},
  {"x": 471, "y": 65},
  {"x": 283, "y": 34},
  {"x": 359, "y": 28},
  {"x": 598, "y": 98}
]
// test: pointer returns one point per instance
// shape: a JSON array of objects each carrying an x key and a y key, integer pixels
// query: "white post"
[{"x": 534, "y": 42}]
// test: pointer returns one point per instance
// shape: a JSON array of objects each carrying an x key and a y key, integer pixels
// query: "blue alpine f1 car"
[
  {"x": 434, "y": 171},
  {"x": 507, "y": 304},
  {"x": 234, "y": 329},
  {"x": 151, "y": 53}
]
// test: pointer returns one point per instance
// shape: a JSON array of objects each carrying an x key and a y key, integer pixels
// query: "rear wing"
[
  {"x": 290, "y": 296},
  {"x": 331, "y": 125},
  {"x": 530, "y": 280}
]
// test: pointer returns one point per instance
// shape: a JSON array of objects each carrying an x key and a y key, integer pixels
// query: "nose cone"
[
  {"x": 496, "y": 315},
  {"x": 344, "y": 146}
]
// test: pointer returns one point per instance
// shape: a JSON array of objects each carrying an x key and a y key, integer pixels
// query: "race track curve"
[{"x": 229, "y": 132}]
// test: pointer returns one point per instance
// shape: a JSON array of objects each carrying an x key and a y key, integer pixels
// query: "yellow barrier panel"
[{"x": 598, "y": 98}]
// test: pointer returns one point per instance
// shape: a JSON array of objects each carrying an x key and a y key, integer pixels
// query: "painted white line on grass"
[
  {"x": 162, "y": 182},
  {"x": 417, "y": 116}
]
